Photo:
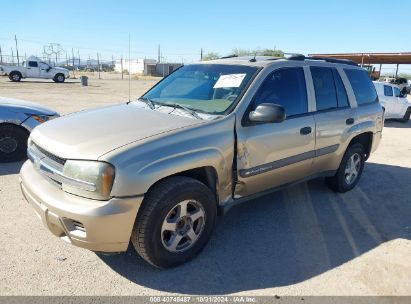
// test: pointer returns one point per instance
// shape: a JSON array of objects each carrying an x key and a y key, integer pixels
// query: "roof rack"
[{"x": 301, "y": 57}]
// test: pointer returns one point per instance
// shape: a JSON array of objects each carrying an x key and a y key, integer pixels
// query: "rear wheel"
[
  {"x": 15, "y": 76},
  {"x": 407, "y": 115},
  {"x": 350, "y": 170},
  {"x": 13, "y": 143},
  {"x": 175, "y": 222},
  {"x": 59, "y": 78}
]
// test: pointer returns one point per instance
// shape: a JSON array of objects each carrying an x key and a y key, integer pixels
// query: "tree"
[
  {"x": 272, "y": 52},
  {"x": 258, "y": 52},
  {"x": 211, "y": 56},
  {"x": 242, "y": 52}
]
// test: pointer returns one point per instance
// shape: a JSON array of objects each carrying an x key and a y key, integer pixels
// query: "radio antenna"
[{"x": 129, "y": 71}]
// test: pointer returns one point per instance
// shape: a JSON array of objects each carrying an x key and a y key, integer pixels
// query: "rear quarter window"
[{"x": 362, "y": 86}]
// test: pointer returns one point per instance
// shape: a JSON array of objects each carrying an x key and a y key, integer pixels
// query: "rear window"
[
  {"x": 387, "y": 90},
  {"x": 362, "y": 86}
]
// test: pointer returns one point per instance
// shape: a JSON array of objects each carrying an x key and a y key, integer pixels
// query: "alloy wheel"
[
  {"x": 352, "y": 168},
  {"x": 183, "y": 226}
]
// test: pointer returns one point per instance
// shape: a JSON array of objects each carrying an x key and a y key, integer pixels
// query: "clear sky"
[{"x": 182, "y": 28}]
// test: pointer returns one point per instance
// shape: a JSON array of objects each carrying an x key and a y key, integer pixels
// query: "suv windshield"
[{"x": 207, "y": 88}]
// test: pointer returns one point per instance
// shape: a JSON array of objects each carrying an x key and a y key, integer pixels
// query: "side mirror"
[{"x": 267, "y": 112}]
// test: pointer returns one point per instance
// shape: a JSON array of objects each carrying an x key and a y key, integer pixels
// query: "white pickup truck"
[
  {"x": 395, "y": 103},
  {"x": 34, "y": 68}
]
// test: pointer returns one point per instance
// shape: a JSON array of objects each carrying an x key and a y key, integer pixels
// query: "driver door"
[
  {"x": 274, "y": 154},
  {"x": 45, "y": 70}
]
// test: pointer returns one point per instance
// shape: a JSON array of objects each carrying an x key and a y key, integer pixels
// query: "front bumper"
[{"x": 103, "y": 226}]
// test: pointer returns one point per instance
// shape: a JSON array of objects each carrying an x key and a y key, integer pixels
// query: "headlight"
[
  {"x": 44, "y": 118},
  {"x": 91, "y": 179}
]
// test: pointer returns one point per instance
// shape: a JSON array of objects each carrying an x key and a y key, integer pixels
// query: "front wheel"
[
  {"x": 350, "y": 170},
  {"x": 59, "y": 78},
  {"x": 13, "y": 143},
  {"x": 174, "y": 222}
]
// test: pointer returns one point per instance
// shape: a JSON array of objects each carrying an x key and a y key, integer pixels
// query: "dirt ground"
[{"x": 305, "y": 240}]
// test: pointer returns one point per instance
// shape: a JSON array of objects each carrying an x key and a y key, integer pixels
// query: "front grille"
[
  {"x": 46, "y": 163},
  {"x": 53, "y": 157}
]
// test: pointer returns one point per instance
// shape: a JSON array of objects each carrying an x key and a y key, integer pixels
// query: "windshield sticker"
[{"x": 229, "y": 81}]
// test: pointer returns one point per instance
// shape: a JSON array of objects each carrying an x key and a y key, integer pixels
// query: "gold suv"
[{"x": 156, "y": 171}]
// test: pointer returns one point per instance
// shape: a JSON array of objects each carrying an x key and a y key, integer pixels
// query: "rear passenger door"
[{"x": 333, "y": 117}]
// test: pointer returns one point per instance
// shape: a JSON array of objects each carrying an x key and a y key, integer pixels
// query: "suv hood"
[
  {"x": 26, "y": 107},
  {"x": 92, "y": 133}
]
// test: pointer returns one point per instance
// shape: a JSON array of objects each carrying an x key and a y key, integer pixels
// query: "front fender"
[
  {"x": 7, "y": 116},
  {"x": 140, "y": 166},
  {"x": 175, "y": 164}
]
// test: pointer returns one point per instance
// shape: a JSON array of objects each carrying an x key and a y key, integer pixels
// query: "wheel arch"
[
  {"x": 205, "y": 174},
  {"x": 15, "y": 125},
  {"x": 365, "y": 139},
  {"x": 16, "y": 72}
]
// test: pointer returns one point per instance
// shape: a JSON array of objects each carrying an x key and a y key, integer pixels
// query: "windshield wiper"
[
  {"x": 148, "y": 101},
  {"x": 188, "y": 110}
]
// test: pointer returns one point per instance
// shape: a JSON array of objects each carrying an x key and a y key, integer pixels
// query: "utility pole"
[
  {"x": 158, "y": 58},
  {"x": 1, "y": 57},
  {"x": 17, "y": 50},
  {"x": 78, "y": 54},
  {"x": 12, "y": 56},
  {"x": 201, "y": 54},
  {"x": 72, "y": 61},
  {"x": 98, "y": 64},
  {"x": 122, "y": 73}
]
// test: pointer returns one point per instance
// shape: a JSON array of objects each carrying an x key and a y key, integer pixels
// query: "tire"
[
  {"x": 13, "y": 143},
  {"x": 340, "y": 182},
  {"x": 15, "y": 76},
  {"x": 407, "y": 115},
  {"x": 151, "y": 238},
  {"x": 59, "y": 78}
]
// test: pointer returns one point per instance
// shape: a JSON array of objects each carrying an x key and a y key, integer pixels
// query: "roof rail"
[{"x": 326, "y": 59}]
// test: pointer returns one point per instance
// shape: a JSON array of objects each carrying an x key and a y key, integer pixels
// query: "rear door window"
[
  {"x": 325, "y": 92},
  {"x": 342, "y": 96},
  {"x": 388, "y": 90},
  {"x": 33, "y": 64},
  {"x": 329, "y": 89},
  {"x": 362, "y": 86}
]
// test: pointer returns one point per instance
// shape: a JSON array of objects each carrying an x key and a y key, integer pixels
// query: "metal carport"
[{"x": 372, "y": 58}]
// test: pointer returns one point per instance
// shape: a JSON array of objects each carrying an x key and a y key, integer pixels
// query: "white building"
[{"x": 134, "y": 66}]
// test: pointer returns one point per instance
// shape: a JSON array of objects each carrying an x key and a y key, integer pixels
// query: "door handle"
[
  {"x": 305, "y": 130},
  {"x": 349, "y": 121}
]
